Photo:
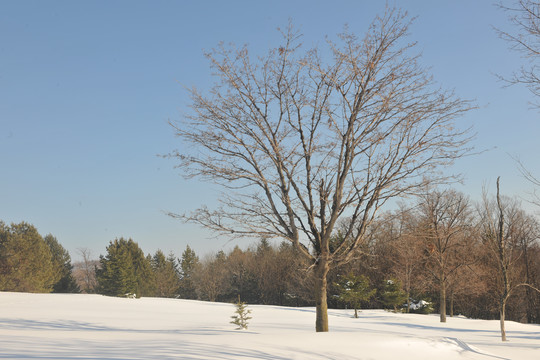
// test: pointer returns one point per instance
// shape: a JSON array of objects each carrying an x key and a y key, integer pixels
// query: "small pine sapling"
[
  {"x": 242, "y": 315},
  {"x": 392, "y": 295},
  {"x": 353, "y": 290}
]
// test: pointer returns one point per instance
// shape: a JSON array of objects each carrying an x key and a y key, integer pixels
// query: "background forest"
[{"x": 437, "y": 250}]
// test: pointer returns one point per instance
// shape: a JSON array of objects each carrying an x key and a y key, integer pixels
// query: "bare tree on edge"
[
  {"x": 301, "y": 139},
  {"x": 525, "y": 17},
  {"x": 500, "y": 223}
]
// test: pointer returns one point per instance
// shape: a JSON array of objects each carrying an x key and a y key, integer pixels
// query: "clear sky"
[{"x": 87, "y": 88}]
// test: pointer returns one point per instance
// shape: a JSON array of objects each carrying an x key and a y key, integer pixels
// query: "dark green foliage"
[
  {"x": 125, "y": 270},
  {"x": 63, "y": 268},
  {"x": 392, "y": 295},
  {"x": 242, "y": 315},
  {"x": 166, "y": 278},
  {"x": 26, "y": 263},
  {"x": 422, "y": 306},
  {"x": 354, "y": 289},
  {"x": 189, "y": 264}
]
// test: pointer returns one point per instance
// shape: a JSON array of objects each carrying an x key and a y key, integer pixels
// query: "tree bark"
[
  {"x": 451, "y": 304},
  {"x": 528, "y": 291},
  {"x": 442, "y": 300},
  {"x": 321, "y": 272},
  {"x": 408, "y": 301},
  {"x": 502, "y": 315}
]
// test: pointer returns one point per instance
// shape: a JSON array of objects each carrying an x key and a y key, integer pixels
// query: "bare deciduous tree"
[
  {"x": 85, "y": 271},
  {"x": 526, "y": 232},
  {"x": 210, "y": 277},
  {"x": 504, "y": 233},
  {"x": 493, "y": 220},
  {"x": 531, "y": 178},
  {"x": 403, "y": 247},
  {"x": 300, "y": 140},
  {"x": 447, "y": 220},
  {"x": 525, "y": 16}
]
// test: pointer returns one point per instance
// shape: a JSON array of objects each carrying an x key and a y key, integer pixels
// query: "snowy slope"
[{"x": 58, "y": 326}]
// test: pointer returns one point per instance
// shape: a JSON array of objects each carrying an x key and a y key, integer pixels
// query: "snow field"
[{"x": 74, "y": 326}]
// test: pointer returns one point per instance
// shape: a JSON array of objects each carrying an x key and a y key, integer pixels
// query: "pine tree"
[
  {"x": 242, "y": 315},
  {"x": 188, "y": 266},
  {"x": 62, "y": 263},
  {"x": 25, "y": 260},
  {"x": 392, "y": 294},
  {"x": 125, "y": 270},
  {"x": 354, "y": 289},
  {"x": 165, "y": 274}
]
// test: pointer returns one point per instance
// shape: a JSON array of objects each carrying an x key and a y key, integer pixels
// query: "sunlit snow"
[{"x": 74, "y": 326}]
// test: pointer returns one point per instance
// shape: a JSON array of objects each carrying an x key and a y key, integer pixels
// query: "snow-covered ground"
[{"x": 58, "y": 326}]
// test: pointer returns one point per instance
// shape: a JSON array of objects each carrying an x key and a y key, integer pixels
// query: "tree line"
[{"x": 442, "y": 249}]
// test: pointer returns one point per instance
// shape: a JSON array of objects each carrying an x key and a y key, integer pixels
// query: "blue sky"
[{"x": 87, "y": 88}]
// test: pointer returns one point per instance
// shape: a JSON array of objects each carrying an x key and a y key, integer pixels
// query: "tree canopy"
[{"x": 302, "y": 140}]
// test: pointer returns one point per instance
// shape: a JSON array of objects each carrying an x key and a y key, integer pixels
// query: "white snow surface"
[{"x": 76, "y": 326}]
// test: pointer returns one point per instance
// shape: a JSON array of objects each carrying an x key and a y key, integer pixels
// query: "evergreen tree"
[
  {"x": 125, "y": 270},
  {"x": 392, "y": 294},
  {"x": 188, "y": 266},
  {"x": 25, "y": 260},
  {"x": 264, "y": 247},
  {"x": 165, "y": 274},
  {"x": 61, "y": 259},
  {"x": 242, "y": 315},
  {"x": 354, "y": 289}
]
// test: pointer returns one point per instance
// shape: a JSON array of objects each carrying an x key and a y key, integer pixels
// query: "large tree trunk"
[
  {"x": 442, "y": 298},
  {"x": 321, "y": 272}
]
